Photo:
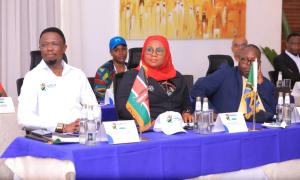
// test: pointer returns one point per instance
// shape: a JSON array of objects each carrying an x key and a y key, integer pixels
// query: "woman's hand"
[
  {"x": 72, "y": 127},
  {"x": 187, "y": 117}
]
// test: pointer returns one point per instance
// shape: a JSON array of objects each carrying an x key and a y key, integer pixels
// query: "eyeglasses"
[
  {"x": 245, "y": 60},
  {"x": 54, "y": 45},
  {"x": 158, "y": 51}
]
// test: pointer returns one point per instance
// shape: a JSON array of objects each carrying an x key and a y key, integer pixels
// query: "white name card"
[
  {"x": 118, "y": 132},
  {"x": 6, "y": 105},
  {"x": 296, "y": 115},
  {"x": 230, "y": 122}
]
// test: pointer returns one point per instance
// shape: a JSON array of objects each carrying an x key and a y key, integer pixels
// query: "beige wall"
[{"x": 90, "y": 24}]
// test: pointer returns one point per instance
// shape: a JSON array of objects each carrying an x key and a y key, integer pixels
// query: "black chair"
[
  {"x": 189, "y": 79},
  {"x": 116, "y": 82},
  {"x": 36, "y": 58},
  {"x": 216, "y": 60},
  {"x": 19, "y": 85},
  {"x": 134, "y": 57},
  {"x": 273, "y": 76}
]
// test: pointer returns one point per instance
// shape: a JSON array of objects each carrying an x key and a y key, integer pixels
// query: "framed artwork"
[{"x": 182, "y": 19}]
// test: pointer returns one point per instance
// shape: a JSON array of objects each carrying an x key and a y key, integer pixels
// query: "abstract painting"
[{"x": 182, "y": 19}]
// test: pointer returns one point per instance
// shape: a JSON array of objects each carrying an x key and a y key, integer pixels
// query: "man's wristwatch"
[{"x": 59, "y": 128}]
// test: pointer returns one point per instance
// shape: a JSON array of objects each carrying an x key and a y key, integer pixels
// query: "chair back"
[
  {"x": 216, "y": 60},
  {"x": 134, "y": 57},
  {"x": 273, "y": 76},
  {"x": 116, "y": 82},
  {"x": 36, "y": 58},
  {"x": 19, "y": 85},
  {"x": 92, "y": 82},
  {"x": 189, "y": 79}
]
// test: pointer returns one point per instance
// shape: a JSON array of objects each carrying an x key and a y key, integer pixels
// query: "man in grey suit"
[{"x": 288, "y": 62}]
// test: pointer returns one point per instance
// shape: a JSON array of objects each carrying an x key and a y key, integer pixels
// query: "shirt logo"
[{"x": 43, "y": 87}]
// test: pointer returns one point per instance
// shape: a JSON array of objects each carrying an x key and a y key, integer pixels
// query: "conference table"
[{"x": 179, "y": 156}]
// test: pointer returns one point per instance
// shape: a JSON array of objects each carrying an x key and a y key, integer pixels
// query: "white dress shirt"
[
  {"x": 296, "y": 59},
  {"x": 47, "y": 99}
]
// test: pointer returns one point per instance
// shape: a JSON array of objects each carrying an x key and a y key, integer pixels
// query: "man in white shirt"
[
  {"x": 53, "y": 92},
  {"x": 288, "y": 62}
]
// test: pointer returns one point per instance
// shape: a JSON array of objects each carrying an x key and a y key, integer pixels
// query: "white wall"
[{"x": 98, "y": 22}]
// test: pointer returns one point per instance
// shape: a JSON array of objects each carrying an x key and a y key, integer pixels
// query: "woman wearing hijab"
[
  {"x": 167, "y": 88},
  {"x": 2, "y": 91}
]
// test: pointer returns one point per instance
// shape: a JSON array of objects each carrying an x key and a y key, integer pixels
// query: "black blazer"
[
  {"x": 288, "y": 67},
  {"x": 159, "y": 101}
]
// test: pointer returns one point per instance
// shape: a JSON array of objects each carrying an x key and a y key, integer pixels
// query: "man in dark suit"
[
  {"x": 288, "y": 62},
  {"x": 224, "y": 88}
]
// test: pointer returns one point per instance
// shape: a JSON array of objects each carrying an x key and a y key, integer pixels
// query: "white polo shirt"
[{"x": 47, "y": 99}]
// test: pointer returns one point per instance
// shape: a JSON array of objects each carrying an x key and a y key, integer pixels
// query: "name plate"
[
  {"x": 295, "y": 117},
  {"x": 118, "y": 132},
  {"x": 230, "y": 122},
  {"x": 6, "y": 105}
]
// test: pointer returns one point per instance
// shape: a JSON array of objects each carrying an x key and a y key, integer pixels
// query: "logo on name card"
[
  {"x": 231, "y": 117},
  {"x": 114, "y": 126},
  {"x": 120, "y": 126}
]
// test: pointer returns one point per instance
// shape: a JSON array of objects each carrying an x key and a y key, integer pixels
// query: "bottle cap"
[{"x": 205, "y": 104}]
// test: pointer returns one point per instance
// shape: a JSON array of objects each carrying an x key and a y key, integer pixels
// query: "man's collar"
[
  {"x": 291, "y": 55},
  {"x": 43, "y": 65}
]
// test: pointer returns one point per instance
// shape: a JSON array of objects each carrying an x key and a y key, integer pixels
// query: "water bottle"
[
  {"x": 197, "y": 114},
  {"x": 97, "y": 117},
  {"x": 82, "y": 125},
  {"x": 279, "y": 80},
  {"x": 91, "y": 127},
  {"x": 279, "y": 109},
  {"x": 204, "y": 126},
  {"x": 287, "y": 112}
]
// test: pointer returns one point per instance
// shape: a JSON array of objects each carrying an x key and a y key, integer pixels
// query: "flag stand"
[{"x": 141, "y": 136}]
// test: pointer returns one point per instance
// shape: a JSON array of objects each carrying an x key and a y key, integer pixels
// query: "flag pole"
[
  {"x": 254, "y": 110},
  {"x": 140, "y": 133}
]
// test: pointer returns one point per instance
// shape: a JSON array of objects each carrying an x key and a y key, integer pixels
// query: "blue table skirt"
[{"x": 179, "y": 156}]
